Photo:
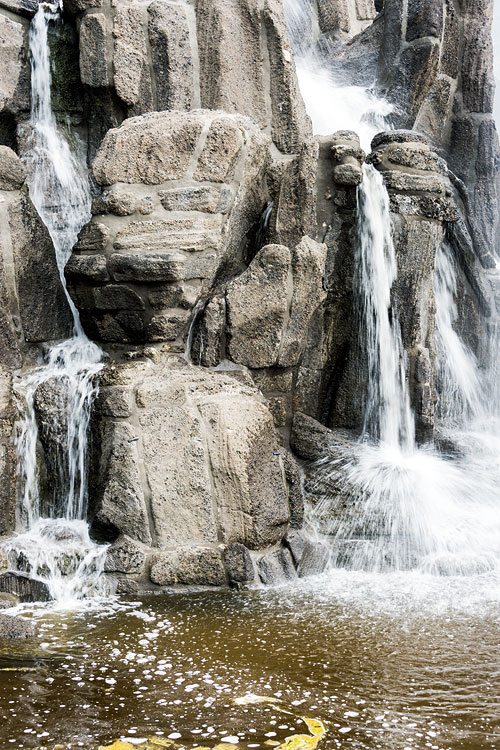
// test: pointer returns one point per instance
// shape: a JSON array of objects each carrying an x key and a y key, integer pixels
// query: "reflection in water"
[{"x": 409, "y": 663}]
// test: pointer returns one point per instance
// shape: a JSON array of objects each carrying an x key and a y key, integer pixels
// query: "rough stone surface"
[
  {"x": 239, "y": 564},
  {"x": 25, "y": 588},
  {"x": 14, "y": 627},
  {"x": 171, "y": 55},
  {"x": 125, "y": 556},
  {"x": 277, "y": 568},
  {"x": 193, "y": 566},
  {"x": 94, "y": 65},
  {"x": 12, "y": 170},
  {"x": 257, "y": 307}
]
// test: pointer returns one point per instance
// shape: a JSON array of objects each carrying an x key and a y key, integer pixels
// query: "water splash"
[
  {"x": 55, "y": 399},
  {"x": 387, "y": 412}
]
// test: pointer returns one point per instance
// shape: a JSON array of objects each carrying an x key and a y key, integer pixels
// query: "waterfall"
[
  {"x": 55, "y": 398},
  {"x": 387, "y": 412}
]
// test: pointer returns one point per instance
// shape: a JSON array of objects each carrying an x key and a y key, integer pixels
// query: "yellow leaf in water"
[
  {"x": 305, "y": 741},
  {"x": 225, "y": 746},
  {"x": 118, "y": 745},
  {"x": 315, "y": 726}
]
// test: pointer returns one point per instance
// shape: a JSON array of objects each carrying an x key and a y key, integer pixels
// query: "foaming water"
[
  {"x": 330, "y": 103},
  {"x": 56, "y": 397}
]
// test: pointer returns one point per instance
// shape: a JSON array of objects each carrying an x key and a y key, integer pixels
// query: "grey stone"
[
  {"x": 193, "y": 566},
  {"x": 8, "y": 600},
  {"x": 208, "y": 334},
  {"x": 425, "y": 18},
  {"x": 146, "y": 268},
  {"x": 117, "y": 203},
  {"x": 88, "y": 267},
  {"x": 348, "y": 174},
  {"x": 413, "y": 182},
  {"x": 220, "y": 152},
  {"x": 290, "y": 124},
  {"x": 94, "y": 64},
  {"x": 277, "y": 568},
  {"x": 209, "y": 199},
  {"x": 26, "y": 8},
  {"x": 295, "y": 494},
  {"x": 44, "y": 309},
  {"x": 238, "y": 562},
  {"x": 257, "y": 308},
  {"x": 169, "y": 139},
  {"x": 4, "y": 562},
  {"x": 314, "y": 560},
  {"x": 308, "y": 293},
  {"x": 25, "y": 588},
  {"x": 14, "y": 89},
  {"x": 230, "y": 50},
  {"x": 117, "y": 297},
  {"x": 14, "y": 627},
  {"x": 168, "y": 327},
  {"x": 178, "y": 232},
  {"x": 93, "y": 238},
  {"x": 12, "y": 170},
  {"x": 131, "y": 70},
  {"x": 118, "y": 495},
  {"x": 125, "y": 556},
  {"x": 171, "y": 55},
  {"x": 398, "y": 136},
  {"x": 113, "y": 402}
]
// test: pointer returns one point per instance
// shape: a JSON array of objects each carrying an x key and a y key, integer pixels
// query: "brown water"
[{"x": 392, "y": 662}]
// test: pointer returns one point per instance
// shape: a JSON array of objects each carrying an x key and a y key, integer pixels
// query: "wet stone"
[
  {"x": 277, "y": 568},
  {"x": 239, "y": 563},
  {"x": 27, "y": 589}
]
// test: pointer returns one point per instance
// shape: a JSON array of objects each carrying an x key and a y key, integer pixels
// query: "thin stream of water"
[{"x": 60, "y": 391}]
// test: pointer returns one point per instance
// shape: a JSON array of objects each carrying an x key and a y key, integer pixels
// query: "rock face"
[{"x": 218, "y": 267}]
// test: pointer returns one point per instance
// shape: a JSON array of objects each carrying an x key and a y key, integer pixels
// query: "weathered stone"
[
  {"x": 277, "y": 568},
  {"x": 132, "y": 77},
  {"x": 146, "y": 268},
  {"x": 209, "y": 199},
  {"x": 12, "y": 170},
  {"x": 308, "y": 268},
  {"x": 222, "y": 147},
  {"x": 171, "y": 55},
  {"x": 14, "y": 627},
  {"x": 238, "y": 562},
  {"x": 192, "y": 566},
  {"x": 26, "y": 8},
  {"x": 413, "y": 182},
  {"x": 25, "y": 588},
  {"x": 14, "y": 90},
  {"x": 313, "y": 441},
  {"x": 295, "y": 493},
  {"x": 44, "y": 309},
  {"x": 425, "y": 18},
  {"x": 93, "y": 238},
  {"x": 348, "y": 174},
  {"x": 94, "y": 66},
  {"x": 314, "y": 560},
  {"x": 117, "y": 203},
  {"x": 114, "y": 402},
  {"x": 169, "y": 139},
  {"x": 478, "y": 85},
  {"x": 416, "y": 157},
  {"x": 431, "y": 206},
  {"x": 77, "y": 6},
  {"x": 398, "y": 136},
  {"x": 257, "y": 308},
  {"x": 185, "y": 232},
  {"x": 8, "y": 600},
  {"x": 167, "y": 327},
  {"x": 290, "y": 124},
  {"x": 207, "y": 343},
  {"x": 4, "y": 562},
  {"x": 125, "y": 556},
  {"x": 119, "y": 499},
  {"x": 230, "y": 49},
  {"x": 117, "y": 297},
  {"x": 89, "y": 267}
]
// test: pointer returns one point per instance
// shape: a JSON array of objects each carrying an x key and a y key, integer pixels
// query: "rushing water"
[{"x": 59, "y": 392}]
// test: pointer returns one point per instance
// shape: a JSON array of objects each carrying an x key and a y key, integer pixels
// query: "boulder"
[
  {"x": 239, "y": 564},
  {"x": 277, "y": 568},
  {"x": 94, "y": 64},
  {"x": 24, "y": 588},
  {"x": 12, "y": 170},
  {"x": 191, "y": 566},
  {"x": 125, "y": 556},
  {"x": 257, "y": 308},
  {"x": 171, "y": 54}
]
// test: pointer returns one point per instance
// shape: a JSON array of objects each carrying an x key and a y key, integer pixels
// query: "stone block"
[
  {"x": 277, "y": 568},
  {"x": 183, "y": 232},
  {"x": 192, "y": 566},
  {"x": 125, "y": 556},
  {"x": 146, "y": 268},
  {"x": 93, "y": 238},
  {"x": 131, "y": 70},
  {"x": 88, "y": 267},
  {"x": 24, "y": 588},
  {"x": 239, "y": 564},
  {"x": 220, "y": 152},
  {"x": 209, "y": 199},
  {"x": 171, "y": 55},
  {"x": 94, "y": 67},
  {"x": 12, "y": 170}
]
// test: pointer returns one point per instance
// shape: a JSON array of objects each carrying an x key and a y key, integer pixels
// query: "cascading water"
[
  {"x": 385, "y": 503},
  {"x": 55, "y": 398}
]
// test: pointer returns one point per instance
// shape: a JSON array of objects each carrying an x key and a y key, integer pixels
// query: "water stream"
[{"x": 55, "y": 398}]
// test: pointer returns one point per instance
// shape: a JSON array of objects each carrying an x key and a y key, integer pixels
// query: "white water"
[
  {"x": 54, "y": 544},
  {"x": 387, "y": 504},
  {"x": 330, "y": 103}
]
